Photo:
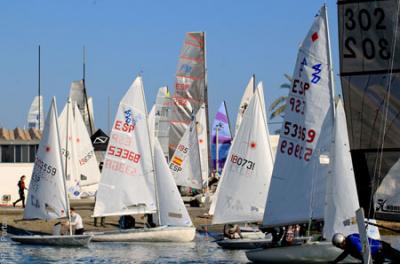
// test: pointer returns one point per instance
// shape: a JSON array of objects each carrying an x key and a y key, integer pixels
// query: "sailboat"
[
  {"x": 136, "y": 178},
  {"x": 244, "y": 184},
  {"x": 47, "y": 197},
  {"x": 35, "y": 117},
  {"x": 186, "y": 164},
  {"x": 221, "y": 138},
  {"x": 83, "y": 172},
  {"x": 302, "y": 189}
]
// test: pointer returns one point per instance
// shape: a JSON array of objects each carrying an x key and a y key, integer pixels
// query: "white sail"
[
  {"x": 78, "y": 95},
  {"x": 185, "y": 164},
  {"x": 201, "y": 126},
  {"x": 172, "y": 209},
  {"x": 86, "y": 158},
  {"x": 297, "y": 192},
  {"x": 248, "y": 93},
  {"x": 341, "y": 192},
  {"x": 127, "y": 179},
  {"x": 35, "y": 113},
  {"x": 245, "y": 180},
  {"x": 162, "y": 112},
  {"x": 67, "y": 127},
  {"x": 46, "y": 197}
]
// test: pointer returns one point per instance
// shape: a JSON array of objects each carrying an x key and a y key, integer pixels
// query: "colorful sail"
[
  {"x": 46, "y": 196},
  {"x": 370, "y": 77},
  {"x": 244, "y": 184},
  {"x": 221, "y": 139},
  {"x": 36, "y": 114},
  {"x": 297, "y": 191},
  {"x": 190, "y": 87},
  {"x": 185, "y": 164},
  {"x": 127, "y": 184}
]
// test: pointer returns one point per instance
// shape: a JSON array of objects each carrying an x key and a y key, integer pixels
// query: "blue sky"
[{"x": 123, "y": 38}]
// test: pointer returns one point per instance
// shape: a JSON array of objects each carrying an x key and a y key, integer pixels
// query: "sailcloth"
[
  {"x": 35, "y": 113},
  {"x": 202, "y": 137},
  {"x": 69, "y": 150},
  {"x": 127, "y": 179},
  {"x": 297, "y": 191},
  {"x": 248, "y": 93},
  {"x": 341, "y": 192},
  {"x": 78, "y": 95},
  {"x": 221, "y": 122},
  {"x": 86, "y": 158},
  {"x": 245, "y": 180},
  {"x": 190, "y": 87},
  {"x": 46, "y": 197},
  {"x": 185, "y": 164}
]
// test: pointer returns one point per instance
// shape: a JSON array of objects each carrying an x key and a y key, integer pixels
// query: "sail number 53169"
[{"x": 295, "y": 150}]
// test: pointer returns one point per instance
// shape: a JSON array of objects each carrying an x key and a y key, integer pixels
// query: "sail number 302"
[{"x": 359, "y": 22}]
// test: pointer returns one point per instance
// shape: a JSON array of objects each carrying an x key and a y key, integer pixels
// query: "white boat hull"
[
  {"x": 311, "y": 252},
  {"x": 243, "y": 243},
  {"x": 51, "y": 240},
  {"x": 156, "y": 234}
]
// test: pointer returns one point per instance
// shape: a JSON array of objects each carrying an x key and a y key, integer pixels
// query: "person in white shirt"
[{"x": 76, "y": 220}]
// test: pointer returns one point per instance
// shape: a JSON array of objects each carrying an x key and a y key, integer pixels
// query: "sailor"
[
  {"x": 232, "y": 231},
  {"x": 76, "y": 220},
  {"x": 351, "y": 245},
  {"x": 21, "y": 191}
]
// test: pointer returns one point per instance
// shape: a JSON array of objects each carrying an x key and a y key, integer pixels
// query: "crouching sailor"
[{"x": 351, "y": 245}]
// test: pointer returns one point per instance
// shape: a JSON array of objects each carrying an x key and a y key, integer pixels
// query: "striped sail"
[
  {"x": 220, "y": 129},
  {"x": 190, "y": 87}
]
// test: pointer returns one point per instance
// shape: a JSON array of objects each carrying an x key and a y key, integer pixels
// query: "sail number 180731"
[{"x": 242, "y": 162}]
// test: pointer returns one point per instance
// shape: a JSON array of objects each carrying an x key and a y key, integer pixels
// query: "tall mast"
[
  {"x": 206, "y": 104},
  {"x": 39, "y": 87},
  {"x": 84, "y": 90}
]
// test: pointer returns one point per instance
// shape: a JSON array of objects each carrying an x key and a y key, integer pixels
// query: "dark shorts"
[{"x": 79, "y": 231}]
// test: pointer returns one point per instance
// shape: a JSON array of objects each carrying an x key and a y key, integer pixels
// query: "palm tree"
[{"x": 278, "y": 106}]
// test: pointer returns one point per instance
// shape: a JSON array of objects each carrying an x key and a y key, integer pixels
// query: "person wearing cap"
[{"x": 351, "y": 245}]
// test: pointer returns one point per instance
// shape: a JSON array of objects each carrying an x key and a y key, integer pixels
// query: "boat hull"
[
  {"x": 311, "y": 252},
  {"x": 57, "y": 241},
  {"x": 156, "y": 234},
  {"x": 243, "y": 243}
]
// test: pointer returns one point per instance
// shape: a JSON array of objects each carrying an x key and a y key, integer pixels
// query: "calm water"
[{"x": 202, "y": 250}]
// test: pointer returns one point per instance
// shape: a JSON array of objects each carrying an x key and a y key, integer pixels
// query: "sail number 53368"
[{"x": 123, "y": 153}]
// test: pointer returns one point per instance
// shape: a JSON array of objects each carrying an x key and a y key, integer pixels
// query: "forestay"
[
  {"x": 341, "y": 192},
  {"x": 297, "y": 191},
  {"x": 185, "y": 164},
  {"x": 127, "y": 180},
  {"x": 46, "y": 197},
  {"x": 246, "y": 177}
]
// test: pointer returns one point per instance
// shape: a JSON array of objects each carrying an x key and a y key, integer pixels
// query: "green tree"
[{"x": 278, "y": 106}]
